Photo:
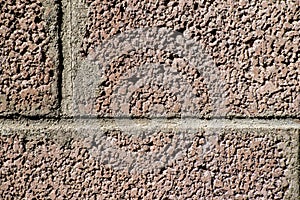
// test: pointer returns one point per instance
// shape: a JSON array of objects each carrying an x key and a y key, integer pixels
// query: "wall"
[{"x": 151, "y": 99}]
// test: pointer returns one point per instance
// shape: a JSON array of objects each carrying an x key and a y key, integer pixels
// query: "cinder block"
[
  {"x": 64, "y": 160},
  {"x": 247, "y": 65},
  {"x": 29, "y": 58}
]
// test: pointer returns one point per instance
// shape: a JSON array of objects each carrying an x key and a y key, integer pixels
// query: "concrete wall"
[{"x": 149, "y": 99}]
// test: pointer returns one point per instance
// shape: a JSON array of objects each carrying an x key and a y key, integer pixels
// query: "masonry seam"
[{"x": 60, "y": 56}]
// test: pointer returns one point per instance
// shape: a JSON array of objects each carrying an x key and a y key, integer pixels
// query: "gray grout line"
[{"x": 137, "y": 124}]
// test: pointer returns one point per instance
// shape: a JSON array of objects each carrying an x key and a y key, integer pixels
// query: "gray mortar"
[{"x": 74, "y": 21}]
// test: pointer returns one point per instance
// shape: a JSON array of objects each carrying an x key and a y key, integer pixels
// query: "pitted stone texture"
[
  {"x": 238, "y": 164},
  {"x": 254, "y": 45},
  {"x": 161, "y": 86},
  {"x": 28, "y": 57}
]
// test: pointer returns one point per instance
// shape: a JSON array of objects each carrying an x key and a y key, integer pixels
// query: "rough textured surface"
[
  {"x": 238, "y": 164},
  {"x": 28, "y": 57},
  {"x": 170, "y": 88},
  {"x": 255, "y": 60},
  {"x": 253, "y": 44}
]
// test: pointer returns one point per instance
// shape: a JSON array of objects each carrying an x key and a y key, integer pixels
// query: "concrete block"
[
  {"x": 246, "y": 61},
  {"x": 29, "y": 58},
  {"x": 230, "y": 160}
]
